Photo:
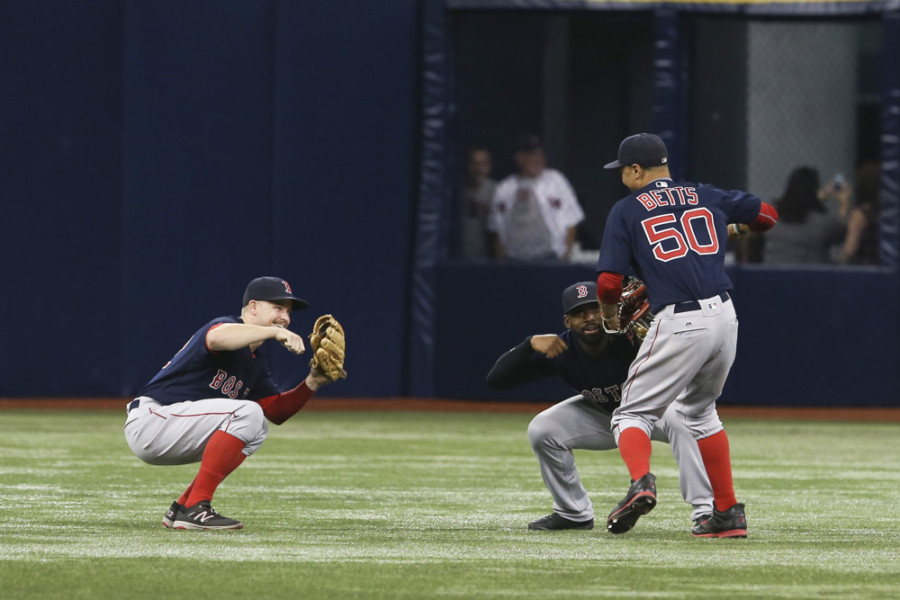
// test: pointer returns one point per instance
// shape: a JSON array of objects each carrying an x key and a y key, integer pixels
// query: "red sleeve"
[
  {"x": 609, "y": 287},
  {"x": 281, "y": 407},
  {"x": 765, "y": 220}
]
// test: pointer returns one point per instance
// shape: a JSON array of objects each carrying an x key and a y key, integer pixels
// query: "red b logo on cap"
[
  {"x": 582, "y": 291},
  {"x": 287, "y": 286}
]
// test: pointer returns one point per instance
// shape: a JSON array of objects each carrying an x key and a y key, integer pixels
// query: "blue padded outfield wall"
[{"x": 158, "y": 155}]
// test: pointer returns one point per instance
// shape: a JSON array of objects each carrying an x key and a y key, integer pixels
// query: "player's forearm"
[
  {"x": 513, "y": 369},
  {"x": 281, "y": 407},
  {"x": 232, "y": 336}
]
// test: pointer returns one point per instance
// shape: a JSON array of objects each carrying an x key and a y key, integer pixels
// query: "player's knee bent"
[
  {"x": 541, "y": 433},
  {"x": 249, "y": 424},
  {"x": 704, "y": 426}
]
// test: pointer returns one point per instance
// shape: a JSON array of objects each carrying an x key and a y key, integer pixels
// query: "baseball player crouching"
[
  {"x": 595, "y": 364},
  {"x": 211, "y": 402}
]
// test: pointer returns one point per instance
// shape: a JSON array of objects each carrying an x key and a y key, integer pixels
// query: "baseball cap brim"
[
  {"x": 580, "y": 304},
  {"x": 613, "y": 165},
  {"x": 296, "y": 303}
]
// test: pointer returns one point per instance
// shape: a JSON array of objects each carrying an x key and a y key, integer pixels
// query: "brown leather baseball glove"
[
  {"x": 634, "y": 309},
  {"x": 328, "y": 348}
]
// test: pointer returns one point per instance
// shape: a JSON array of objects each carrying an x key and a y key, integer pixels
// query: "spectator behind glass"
[
  {"x": 861, "y": 243},
  {"x": 806, "y": 230},
  {"x": 534, "y": 212},
  {"x": 478, "y": 189}
]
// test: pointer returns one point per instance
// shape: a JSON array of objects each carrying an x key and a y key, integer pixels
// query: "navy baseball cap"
[
  {"x": 272, "y": 288},
  {"x": 579, "y": 294},
  {"x": 644, "y": 149}
]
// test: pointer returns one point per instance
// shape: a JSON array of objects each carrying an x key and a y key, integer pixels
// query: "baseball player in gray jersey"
[{"x": 595, "y": 364}]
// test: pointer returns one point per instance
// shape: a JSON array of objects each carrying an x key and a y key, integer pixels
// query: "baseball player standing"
[
  {"x": 210, "y": 403},
  {"x": 672, "y": 236},
  {"x": 595, "y": 364}
]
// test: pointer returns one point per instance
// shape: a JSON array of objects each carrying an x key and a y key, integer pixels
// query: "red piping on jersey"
[
  {"x": 230, "y": 412},
  {"x": 638, "y": 368}
]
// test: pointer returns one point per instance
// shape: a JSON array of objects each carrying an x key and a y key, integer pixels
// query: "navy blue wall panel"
[
  {"x": 345, "y": 115},
  {"x": 60, "y": 176},
  {"x": 817, "y": 337},
  {"x": 198, "y": 95},
  {"x": 159, "y": 155}
]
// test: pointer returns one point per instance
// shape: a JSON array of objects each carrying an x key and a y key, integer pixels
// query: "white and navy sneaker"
[
  {"x": 203, "y": 516},
  {"x": 172, "y": 514}
]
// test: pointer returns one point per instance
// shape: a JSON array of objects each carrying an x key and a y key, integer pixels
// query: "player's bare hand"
[
  {"x": 549, "y": 344},
  {"x": 290, "y": 340},
  {"x": 737, "y": 231}
]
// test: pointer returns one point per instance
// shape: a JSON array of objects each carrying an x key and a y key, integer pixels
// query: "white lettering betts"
[{"x": 677, "y": 196}]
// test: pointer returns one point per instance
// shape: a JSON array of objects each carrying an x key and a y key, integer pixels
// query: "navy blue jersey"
[
  {"x": 597, "y": 378},
  {"x": 197, "y": 373},
  {"x": 673, "y": 236}
]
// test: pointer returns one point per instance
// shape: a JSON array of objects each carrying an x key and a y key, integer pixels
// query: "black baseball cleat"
[
  {"x": 555, "y": 522},
  {"x": 640, "y": 499},
  {"x": 731, "y": 523},
  {"x": 203, "y": 516},
  {"x": 171, "y": 514},
  {"x": 700, "y": 519}
]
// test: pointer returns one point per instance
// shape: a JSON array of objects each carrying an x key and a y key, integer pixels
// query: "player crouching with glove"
[{"x": 211, "y": 402}]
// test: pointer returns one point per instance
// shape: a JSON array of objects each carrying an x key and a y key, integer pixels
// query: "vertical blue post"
[
  {"x": 428, "y": 246},
  {"x": 669, "y": 88},
  {"x": 889, "y": 235}
]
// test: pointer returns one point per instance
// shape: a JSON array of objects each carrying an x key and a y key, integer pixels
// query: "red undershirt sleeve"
[
  {"x": 765, "y": 220},
  {"x": 281, "y": 407},
  {"x": 609, "y": 287}
]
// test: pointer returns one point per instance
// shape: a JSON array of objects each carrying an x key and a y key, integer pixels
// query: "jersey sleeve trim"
[{"x": 205, "y": 343}]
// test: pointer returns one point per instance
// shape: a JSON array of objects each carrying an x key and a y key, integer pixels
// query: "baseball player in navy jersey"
[
  {"x": 594, "y": 363},
  {"x": 210, "y": 403},
  {"x": 672, "y": 236}
]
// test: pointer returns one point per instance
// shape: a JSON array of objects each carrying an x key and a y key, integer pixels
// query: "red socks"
[
  {"x": 635, "y": 448},
  {"x": 222, "y": 455},
  {"x": 717, "y": 460}
]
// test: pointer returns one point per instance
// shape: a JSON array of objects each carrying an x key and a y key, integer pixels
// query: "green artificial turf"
[{"x": 435, "y": 505}]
